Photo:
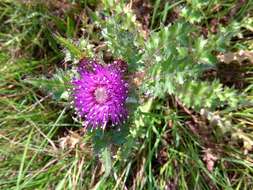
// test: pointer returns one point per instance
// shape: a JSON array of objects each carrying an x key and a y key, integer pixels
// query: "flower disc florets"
[{"x": 100, "y": 94}]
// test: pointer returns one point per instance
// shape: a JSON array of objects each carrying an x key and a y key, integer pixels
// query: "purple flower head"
[{"x": 100, "y": 94}]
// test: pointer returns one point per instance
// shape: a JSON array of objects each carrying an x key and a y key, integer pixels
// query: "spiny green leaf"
[{"x": 66, "y": 43}]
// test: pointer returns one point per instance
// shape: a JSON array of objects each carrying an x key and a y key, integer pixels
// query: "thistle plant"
[
  {"x": 100, "y": 93},
  {"x": 190, "y": 95}
]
